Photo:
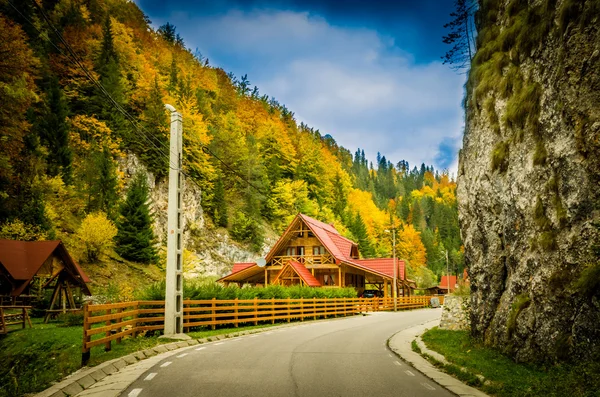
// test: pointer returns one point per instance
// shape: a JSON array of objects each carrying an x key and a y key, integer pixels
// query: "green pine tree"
[
  {"x": 55, "y": 133},
  {"x": 155, "y": 125},
  {"x": 135, "y": 238},
  {"x": 102, "y": 189},
  {"x": 359, "y": 230},
  {"x": 220, "y": 205}
]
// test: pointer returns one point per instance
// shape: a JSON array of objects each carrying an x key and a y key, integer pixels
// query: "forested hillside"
[{"x": 83, "y": 83}]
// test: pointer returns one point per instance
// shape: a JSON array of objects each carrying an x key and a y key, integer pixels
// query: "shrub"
[
  {"x": 588, "y": 283},
  {"x": 520, "y": 303},
  {"x": 500, "y": 157},
  {"x": 70, "y": 319},
  {"x": 96, "y": 233},
  {"x": 540, "y": 154},
  {"x": 17, "y": 230}
]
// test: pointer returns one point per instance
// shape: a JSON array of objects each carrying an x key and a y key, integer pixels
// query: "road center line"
[
  {"x": 182, "y": 355},
  {"x": 150, "y": 376},
  {"x": 428, "y": 386},
  {"x": 409, "y": 373},
  {"x": 398, "y": 363},
  {"x": 134, "y": 393},
  {"x": 253, "y": 336},
  {"x": 200, "y": 348},
  {"x": 219, "y": 343},
  {"x": 165, "y": 364}
]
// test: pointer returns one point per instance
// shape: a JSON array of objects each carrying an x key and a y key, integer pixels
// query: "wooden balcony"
[{"x": 309, "y": 261}]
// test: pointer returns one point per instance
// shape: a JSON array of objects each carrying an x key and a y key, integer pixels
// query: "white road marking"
[
  {"x": 150, "y": 376},
  {"x": 409, "y": 373},
  {"x": 220, "y": 343},
  {"x": 428, "y": 386},
  {"x": 390, "y": 356},
  {"x": 134, "y": 393},
  {"x": 253, "y": 336},
  {"x": 165, "y": 364},
  {"x": 200, "y": 348},
  {"x": 398, "y": 363},
  {"x": 182, "y": 355}
]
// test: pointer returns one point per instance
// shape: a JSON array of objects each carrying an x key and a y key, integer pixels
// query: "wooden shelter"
[
  {"x": 314, "y": 254},
  {"x": 28, "y": 267}
]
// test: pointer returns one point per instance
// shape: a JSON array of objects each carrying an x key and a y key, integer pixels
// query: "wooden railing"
[
  {"x": 105, "y": 323},
  {"x": 306, "y": 260},
  {"x": 14, "y": 315}
]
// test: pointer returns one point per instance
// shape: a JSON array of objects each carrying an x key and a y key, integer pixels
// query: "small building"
[
  {"x": 313, "y": 253},
  {"x": 29, "y": 267},
  {"x": 447, "y": 282}
]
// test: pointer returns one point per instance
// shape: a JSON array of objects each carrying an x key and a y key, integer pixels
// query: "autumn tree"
[
  {"x": 359, "y": 231},
  {"x": 135, "y": 238},
  {"x": 102, "y": 190},
  {"x": 219, "y": 204},
  {"x": 96, "y": 234}
]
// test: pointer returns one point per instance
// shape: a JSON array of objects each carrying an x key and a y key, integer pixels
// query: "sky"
[{"x": 368, "y": 73}]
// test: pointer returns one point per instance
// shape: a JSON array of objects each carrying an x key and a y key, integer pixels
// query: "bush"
[
  {"x": 200, "y": 289},
  {"x": 96, "y": 233},
  {"x": 70, "y": 319},
  {"x": 500, "y": 157}
]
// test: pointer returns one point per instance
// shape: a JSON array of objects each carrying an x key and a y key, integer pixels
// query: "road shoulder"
[{"x": 400, "y": 343}]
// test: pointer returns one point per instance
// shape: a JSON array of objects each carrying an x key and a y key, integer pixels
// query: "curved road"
[{"x": 342, "y": 357}]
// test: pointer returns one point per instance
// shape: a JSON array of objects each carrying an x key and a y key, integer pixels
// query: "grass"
[
  {"x": 507, "y": 378},
  {"x": 500, "y": 157},
  {"x": 33, "y": 358}
]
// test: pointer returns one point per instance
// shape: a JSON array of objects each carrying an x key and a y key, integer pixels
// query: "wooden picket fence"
[
  {"x": 14, "y": 315},
  {"x": 105, "y": 323}
]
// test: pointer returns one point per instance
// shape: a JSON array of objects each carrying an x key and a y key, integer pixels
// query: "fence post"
[
  {"x": 315, "y": 308},
  {"x": 214, "y": 308},
  {"x": 301, "y": 309},
  {"x": 85, "y": 351},
  {"x": 272, "y": 310},
  {"x": 120, "y": 319},
  {"x": 236, "y": 312},
  {"x": 107, "y": 345},
  {"x": 255, "y": 310},
  {"x": 289, "y": 313},
  {"x": 136, "y": 305}
]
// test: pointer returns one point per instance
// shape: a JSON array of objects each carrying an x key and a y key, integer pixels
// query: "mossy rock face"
[{"x": 528, "y": 208}]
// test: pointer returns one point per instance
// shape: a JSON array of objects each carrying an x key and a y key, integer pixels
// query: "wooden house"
[
  {"x": 314, "y": 254},
  {"x": 28, "y": 267},
  {"x": 447, "y": 283}
]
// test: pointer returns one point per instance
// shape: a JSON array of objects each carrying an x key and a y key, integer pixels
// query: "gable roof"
[
  {"x": 302, "y": 272},
  {"x": 242, "y": 271},
  {"x": 384, "y": 265},
  {"x": 23, "y": 259},
  {"x": 241, "y": 266}
]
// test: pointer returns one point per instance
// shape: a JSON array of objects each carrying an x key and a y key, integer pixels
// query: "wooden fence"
[
  {"x": 13, "y": 315},
  {"x": 105, "y": 323}
]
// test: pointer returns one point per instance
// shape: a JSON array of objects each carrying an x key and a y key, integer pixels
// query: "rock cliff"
[
  {"x": 210, "y": 251},
  {"x": 529, "y": 174}
]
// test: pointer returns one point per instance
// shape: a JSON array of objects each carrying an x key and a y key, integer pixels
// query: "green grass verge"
[
  {"x": 33, "y": 358},
  {"x": 507, "y": 378}
]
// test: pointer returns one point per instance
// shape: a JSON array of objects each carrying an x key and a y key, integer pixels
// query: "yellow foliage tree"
[
  {"x": 410, "y": 247},
  {"x": 96, "y": 234}
]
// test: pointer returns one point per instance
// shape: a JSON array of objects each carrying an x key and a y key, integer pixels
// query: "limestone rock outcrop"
[{"x": 529, "y": 177}]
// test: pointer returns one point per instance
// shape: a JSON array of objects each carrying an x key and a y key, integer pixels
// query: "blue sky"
[{"x": 366, "y": 72}]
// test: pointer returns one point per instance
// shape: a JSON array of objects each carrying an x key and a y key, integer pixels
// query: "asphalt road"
[{"x": 342, "y": 357}]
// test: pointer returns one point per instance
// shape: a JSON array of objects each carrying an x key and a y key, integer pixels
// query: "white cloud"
[{"x": 354, "y": 84}]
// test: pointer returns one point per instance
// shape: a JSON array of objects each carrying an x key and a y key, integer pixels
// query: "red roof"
[
  {"x": 238, "y": 267},
  {"x": 304, "y": 274},
  {"x": 383, "y": 265},
  {"x": 23, "y": 259},
  {"x": 444, "y": 283}
]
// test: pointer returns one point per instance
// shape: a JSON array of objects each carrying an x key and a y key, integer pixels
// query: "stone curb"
[
  {"x": 400, "y": 344},
  {"x": 85, "y": 378}
]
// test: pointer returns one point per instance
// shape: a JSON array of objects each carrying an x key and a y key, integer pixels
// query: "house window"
[
  {"x": 319, "y": 250},
  {"x": 290, "y": 251},
  {"x": 300, "y": 251}
]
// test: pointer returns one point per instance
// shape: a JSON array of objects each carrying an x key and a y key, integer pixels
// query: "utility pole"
[
  {"x": 395, "y": 270},
  {"x": 447, "y": 272},
  {"x": 174, "y": 282}
]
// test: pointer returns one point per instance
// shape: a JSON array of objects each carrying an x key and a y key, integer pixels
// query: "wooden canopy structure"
[
  {"x": 28, "y": 267},
  {"x": 314, "y": 254}
]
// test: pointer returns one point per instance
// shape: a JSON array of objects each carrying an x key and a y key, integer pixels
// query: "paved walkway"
[{"x": 401, "y": 342}]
